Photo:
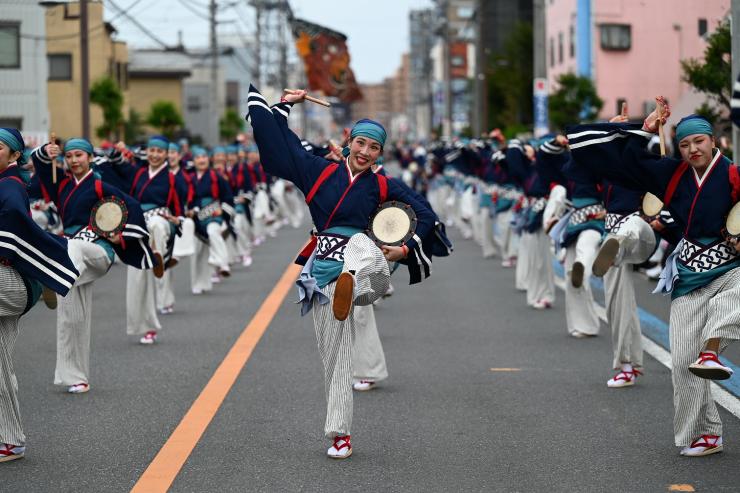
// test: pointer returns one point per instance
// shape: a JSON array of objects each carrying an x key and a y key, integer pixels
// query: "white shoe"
[
  {"x": 581, "y": 335},
  {"x": 78, "y": 388},
  {"x": 10, "y": 452},
  {"x": 149, "y": 338},
  {"x": 215, "y": 279},
  {"x": 704, "y": 445},
  {"x": 623, "y": 379},
  {"x": 167, "y": 310},
  {"x": 341, "y": 449},
  {"x": 654, "y": 272},
  {"x": 364, "y": 385},
  {"x": 508, "y": 263},
  {"x": 708, "y": 366},
  {"x": 542, "y": 305},
  {"x": 246, "y": 261},
  {"x": 196, "y": 292}
]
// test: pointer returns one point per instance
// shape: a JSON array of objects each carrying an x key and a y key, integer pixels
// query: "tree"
[
  {"x": 163, "y": 115},
  {"x": 106, "y": 94},
  {"x": 713, "y": 75},
  {"x": 230, "y": 125},
  {"x": 133, "y": 128},
  {"x": 574, "y": 101},
  {"x": 509, "y": 77}
]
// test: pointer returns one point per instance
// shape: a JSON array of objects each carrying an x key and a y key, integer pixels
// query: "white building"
[{"x": 24, "y": 70}]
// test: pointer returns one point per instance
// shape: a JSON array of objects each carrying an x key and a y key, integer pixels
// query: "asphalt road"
[{"x": 443, "y": 421}]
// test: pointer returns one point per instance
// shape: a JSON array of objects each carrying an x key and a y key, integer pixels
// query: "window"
[
  {"x": 702, "y": 27},
  {"x": 560, "y": 47},
  {"x": 552, "y": 52},
  {"x": 60, "y": 66},
  {"x": 616, "y": 37},
  {"x": 193, "y": 104},
  {"x": 10, "y": 45},
  {"x": 572, "y": 47},
  {"x": 11, "y": 122},
  {"x": 457, "y": 61},
  {"x": 464, "y": 12}
]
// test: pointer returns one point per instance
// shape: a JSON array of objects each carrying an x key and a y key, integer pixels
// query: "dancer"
[
  {"x": 345, "y": 266},
  {"x": 699, "y": 190},
  {"x": 32, "y": 258},
  {"x": 75, "y": 196}
]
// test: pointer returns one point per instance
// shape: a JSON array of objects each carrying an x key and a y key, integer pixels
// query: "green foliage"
[
  {"x": 230, "y": 125},
  {"x": 574, "y": 101},
  {"x": 509, "y": 76},
  {"x": 713, "y": 75},
  {"x": 106, "y": 94},
  {"x": 163, "y": 115},
  {"x": 133, "y": 128}
]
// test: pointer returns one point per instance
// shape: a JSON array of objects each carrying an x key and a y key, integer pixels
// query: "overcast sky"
[{"x": 377, "y": 29}]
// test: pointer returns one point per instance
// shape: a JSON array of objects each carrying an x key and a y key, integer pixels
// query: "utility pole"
[
  {"x": 540, "y": 89},
  {"x": 214, "y": 74},
  {"x": 480, "y": 78},
  {"x": 735, "y": 71},
  {"x": 85, "y": 69},
  {"x": 447, "y": 118},
  {"x": 257, "y": 4}
]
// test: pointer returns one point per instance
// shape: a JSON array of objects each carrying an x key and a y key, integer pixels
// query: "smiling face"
[
  {"x": 155, "y": 156},
  {"x": 363, "y": 152},
  {"x": 7, "y": 156},
  {"x": 696, "y": 149},
  {"x": 201, "y": 163},
  {"x": 173, "y": 157},
  {"x": 78, "y": 162}
]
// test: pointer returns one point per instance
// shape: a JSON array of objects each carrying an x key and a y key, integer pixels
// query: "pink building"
[{"x": 633, "y": 48}]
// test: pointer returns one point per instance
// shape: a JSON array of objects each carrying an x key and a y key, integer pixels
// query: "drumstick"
[
  {"x": 311, "y": 98},
  {"x": 661, "y": 135},
  {"x": 53, "y": 164}
]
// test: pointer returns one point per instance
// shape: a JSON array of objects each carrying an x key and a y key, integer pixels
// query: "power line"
[
  {"x": 192, "y": 9},
  {"x": 75, "y": 35},
  {"x": 138, "y": 24}
]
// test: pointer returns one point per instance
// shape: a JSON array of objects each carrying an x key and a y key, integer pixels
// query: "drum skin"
[
  {"x": 108, "y": 217},
  {"x": 651, "y": 205},
  {"x": 393, "y": 224}
]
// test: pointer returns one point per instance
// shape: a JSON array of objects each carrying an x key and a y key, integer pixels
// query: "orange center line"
[{"x": 163, "y": 470}]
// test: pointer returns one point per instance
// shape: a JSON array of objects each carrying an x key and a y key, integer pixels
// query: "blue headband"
[
  {"x": 174, "y": 147},
  {"x": 199, "y": 151},
  {"x": 371, "y": 129},
  {"x": 12, "y": 137},
  {"x": 692, "y": 125},
  {"x": 232, "y": 149},
  {"x": 159, "y": 141},
  {"x": 81, "y": 144}
]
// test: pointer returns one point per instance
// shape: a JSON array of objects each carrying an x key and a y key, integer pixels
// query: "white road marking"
[{"x": 721, "y": 396}]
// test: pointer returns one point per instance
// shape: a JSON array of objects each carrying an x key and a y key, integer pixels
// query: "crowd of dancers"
[{"x": 576, "y": 198}]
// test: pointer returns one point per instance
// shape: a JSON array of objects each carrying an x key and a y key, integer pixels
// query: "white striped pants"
[
  {"x": 524, "y": 259},
  {"x": 580, "y": 308},
  {"x": 369, "y": 362},
  {"x": 74, "y": 313},
  {"x": 706, "y": 313},
  {"x": 243, "y": 235},
  {"x": 207, "y": 257},
  {"x": 336, "y": 338},
  {"x": 541, "y": 285},
  {"x": 488, "y": 244},
  {"x": 13, "y": 299},
  {"x": 636, "y": 244},
  {"x": 141, "y": 304},
  {"x": 165, "y": 291},
  {"x": 506, "y": 241}
]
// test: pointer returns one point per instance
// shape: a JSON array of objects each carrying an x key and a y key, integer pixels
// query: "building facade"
[
  {"x": 23, "y": 71},
  {"x": 422, "y": 25},
  {"x": 631, "y": 50},
  {"x": 157, "y": 75},
  {"x": 107, "y": 58}
]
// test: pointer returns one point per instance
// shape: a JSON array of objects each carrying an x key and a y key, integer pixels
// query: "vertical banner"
[
  {"x": 541, "y": 119},
  {"x": 326, "y": 60}
]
